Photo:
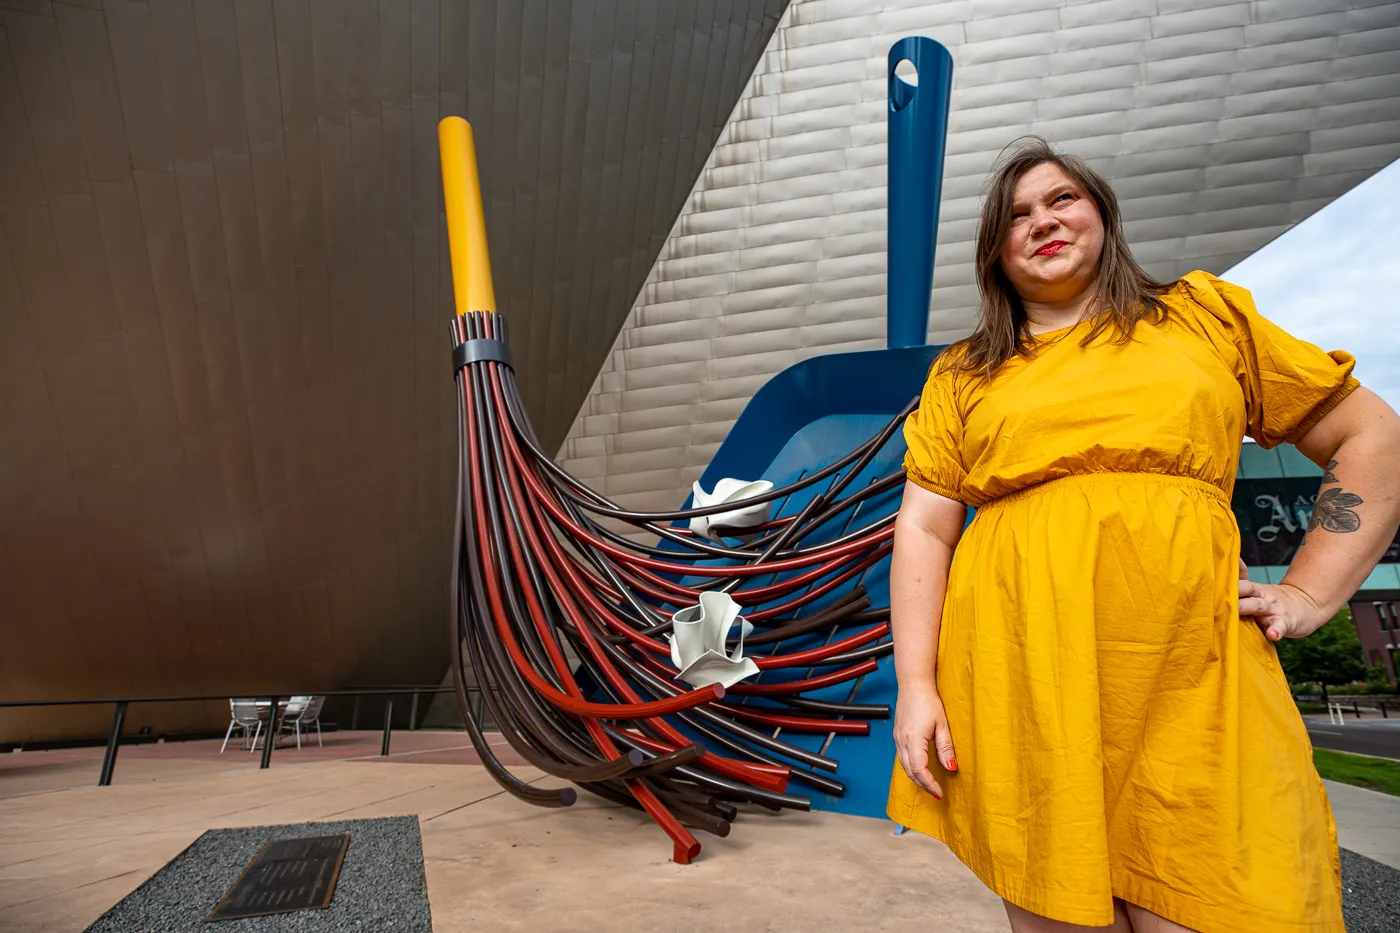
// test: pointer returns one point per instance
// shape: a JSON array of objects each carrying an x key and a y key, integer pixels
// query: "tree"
[
  {"x": 1331, "y": 655},
  {"x": 1378, "y": 680}
]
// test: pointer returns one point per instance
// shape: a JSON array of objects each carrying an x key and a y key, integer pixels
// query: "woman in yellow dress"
[{"x": 1091, "y": 711}]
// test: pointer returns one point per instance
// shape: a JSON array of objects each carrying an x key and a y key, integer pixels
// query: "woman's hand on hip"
[
  {"x": 1280, "y": 610},
  {"x": 921, "y": 721}
]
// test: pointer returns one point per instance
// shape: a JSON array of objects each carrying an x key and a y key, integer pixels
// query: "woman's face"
[{"x": 1051, "y": 253}]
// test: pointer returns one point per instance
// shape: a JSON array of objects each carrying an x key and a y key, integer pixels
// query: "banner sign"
[{"x": 1273, "y": 516}]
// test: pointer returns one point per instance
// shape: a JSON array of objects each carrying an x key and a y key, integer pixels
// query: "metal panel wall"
[
  {"x": 1221, "y": 124},
  {"x": 226, "y": 433}
]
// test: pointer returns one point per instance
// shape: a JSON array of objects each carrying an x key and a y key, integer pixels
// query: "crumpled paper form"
[
  {"x": 697, "y": 642},
  {"x": 729, "y": 489}
]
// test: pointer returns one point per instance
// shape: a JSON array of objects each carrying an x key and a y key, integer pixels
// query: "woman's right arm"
[{"x": 926, "y": 531}]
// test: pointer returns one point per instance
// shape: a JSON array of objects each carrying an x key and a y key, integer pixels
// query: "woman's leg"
[
  {"x": 1023, "y": 921},
  {"x": 1145, "y": 921}
]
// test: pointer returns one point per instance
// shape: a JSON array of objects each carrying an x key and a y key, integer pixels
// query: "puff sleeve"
[
  {"x": 1289, "y": 384},
  {"x": 934, "y": 435}
]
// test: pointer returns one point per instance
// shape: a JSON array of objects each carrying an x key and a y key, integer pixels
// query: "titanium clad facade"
[{"x": 1221, "y": 124}]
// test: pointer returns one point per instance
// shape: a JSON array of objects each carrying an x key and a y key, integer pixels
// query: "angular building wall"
[
  {"x": 1221, "y": 124},
  {"x": 226, "y": 423}
]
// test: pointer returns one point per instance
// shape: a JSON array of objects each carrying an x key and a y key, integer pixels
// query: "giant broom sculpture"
[{"x": 657, "y": 676}]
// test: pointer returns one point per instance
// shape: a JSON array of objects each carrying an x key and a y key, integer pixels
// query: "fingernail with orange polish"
[
  {"x": 937, "y": 795},
  {"x": 952, "y": 764}
]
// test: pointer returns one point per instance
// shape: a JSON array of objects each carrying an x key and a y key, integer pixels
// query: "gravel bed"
[
  {"x": 1370, "y": 895},
  {"x": 381, "y": 886}
]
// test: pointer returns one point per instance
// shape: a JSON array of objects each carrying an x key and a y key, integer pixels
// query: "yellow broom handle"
[{"x": 466, "y": 222}]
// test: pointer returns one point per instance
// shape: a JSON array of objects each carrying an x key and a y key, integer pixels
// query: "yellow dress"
[{"x": 1120, "y": 731}]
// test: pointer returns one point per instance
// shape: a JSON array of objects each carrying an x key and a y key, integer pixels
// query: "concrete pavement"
[
  {"x": 39, "y": 771},
  {"x": 1368, "y": 822},
  {"x": 66, "y": 855},
  {"x": 494, "y": 863}
]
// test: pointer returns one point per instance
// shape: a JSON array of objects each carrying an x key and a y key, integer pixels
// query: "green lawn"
[
  {"x": 1380, "y": 774},
  {"x": 1312, "y": 708}
]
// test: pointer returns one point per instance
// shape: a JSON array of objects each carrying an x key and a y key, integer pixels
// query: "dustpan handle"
[{"x": 918, "y": 133}]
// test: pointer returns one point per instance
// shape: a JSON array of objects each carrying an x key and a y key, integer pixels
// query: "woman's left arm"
[{"x": 1354, "y": 519}]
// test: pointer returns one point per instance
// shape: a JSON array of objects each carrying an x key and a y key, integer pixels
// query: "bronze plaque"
[{"x": 286, "y": 875}]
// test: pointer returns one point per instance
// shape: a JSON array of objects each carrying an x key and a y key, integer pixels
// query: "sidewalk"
[{"x": 1368, "y": 822}]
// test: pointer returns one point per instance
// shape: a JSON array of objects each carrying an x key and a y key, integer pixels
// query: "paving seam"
[{"x": 76, "y": 887}]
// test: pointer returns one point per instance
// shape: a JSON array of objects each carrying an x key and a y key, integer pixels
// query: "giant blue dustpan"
[{"x": 814, "y": 412}]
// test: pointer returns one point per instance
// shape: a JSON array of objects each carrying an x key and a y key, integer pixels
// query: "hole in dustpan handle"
[{"x": 902, "y": 88}]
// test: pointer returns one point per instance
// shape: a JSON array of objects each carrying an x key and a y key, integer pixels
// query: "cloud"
[{"x": 1334, "y": 280}]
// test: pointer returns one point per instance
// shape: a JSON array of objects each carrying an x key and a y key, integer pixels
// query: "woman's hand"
[
  {"x": 919, "y": 719},
  {"x": 1282, "y": 611}
]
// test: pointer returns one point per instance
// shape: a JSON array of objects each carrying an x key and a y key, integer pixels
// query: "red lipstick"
[{"x": 1051, "y": 248}]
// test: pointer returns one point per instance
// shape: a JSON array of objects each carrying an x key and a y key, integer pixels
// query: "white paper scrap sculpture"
[
  {"x": 697, "y": 642},
  {"x": 729, "y": 490}
]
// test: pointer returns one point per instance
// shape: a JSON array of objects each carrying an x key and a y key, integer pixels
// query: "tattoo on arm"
[{"x": 1334, "y": 509}]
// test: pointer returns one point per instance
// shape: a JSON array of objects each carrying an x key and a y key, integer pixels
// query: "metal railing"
[
  {"x": 1352, "y": 703},
  {"x": 121, "y": 704}
]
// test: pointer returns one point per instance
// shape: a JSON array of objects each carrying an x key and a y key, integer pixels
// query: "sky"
[{"x": 1334, "y": 280}]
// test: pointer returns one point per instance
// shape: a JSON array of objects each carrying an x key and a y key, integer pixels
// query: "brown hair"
[{"x": 1125, "y": 294}]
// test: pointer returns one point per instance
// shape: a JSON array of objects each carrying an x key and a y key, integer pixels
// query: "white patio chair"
[
  {"x": 312, "y": 716},
  {"x": 245, "y": 717},
  {"x": 303, "y": 711}
]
